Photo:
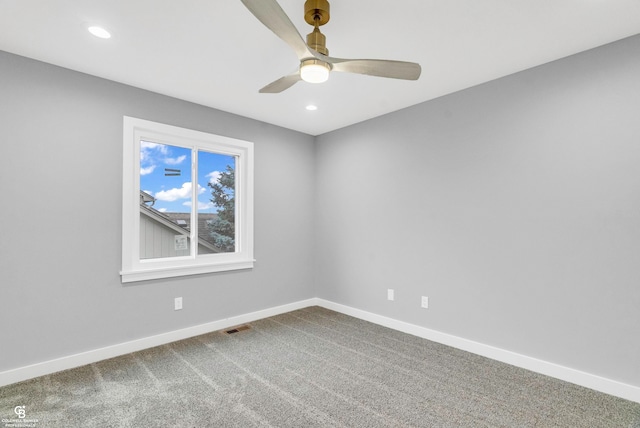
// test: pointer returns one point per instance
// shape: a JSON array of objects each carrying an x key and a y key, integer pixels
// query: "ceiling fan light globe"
[{"x": 314, "y": 71}]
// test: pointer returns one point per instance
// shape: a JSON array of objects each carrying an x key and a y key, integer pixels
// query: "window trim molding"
[{"x": 136, "y": 269}]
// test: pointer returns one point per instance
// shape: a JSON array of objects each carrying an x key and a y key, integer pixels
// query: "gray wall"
[
  {"x": 514, "y": 205},
  {"x": 61, "y": 180}
]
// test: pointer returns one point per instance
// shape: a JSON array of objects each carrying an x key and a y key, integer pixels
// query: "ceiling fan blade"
[
  {"x": 273, "y": 17},
  {"x": 377, "y": 67},
  {"x": 281, "y": 84}
]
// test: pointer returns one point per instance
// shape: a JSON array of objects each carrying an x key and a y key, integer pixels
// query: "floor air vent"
[{"x": 238, "y": 329}]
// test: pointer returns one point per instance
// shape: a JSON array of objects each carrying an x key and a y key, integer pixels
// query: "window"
[{"x": 187, "y": 202}]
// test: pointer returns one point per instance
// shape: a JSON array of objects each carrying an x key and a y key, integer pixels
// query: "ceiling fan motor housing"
[{"x": 317, "y": 41}]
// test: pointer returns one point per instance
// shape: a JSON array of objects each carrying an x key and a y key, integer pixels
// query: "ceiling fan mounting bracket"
[{"x": 316, "y": 12}]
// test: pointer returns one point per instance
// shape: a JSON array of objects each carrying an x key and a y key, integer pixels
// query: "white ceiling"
[{"x": 215, "y": 53}]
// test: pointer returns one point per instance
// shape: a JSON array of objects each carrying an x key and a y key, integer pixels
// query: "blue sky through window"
[{"x": 165, "y": 174}]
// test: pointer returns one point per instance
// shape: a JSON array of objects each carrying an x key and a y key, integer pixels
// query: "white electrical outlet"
[
  {"x": 390, "y": 294},
  {"x": 425, "y": 302},
  {"x": 177, "y": 303}
]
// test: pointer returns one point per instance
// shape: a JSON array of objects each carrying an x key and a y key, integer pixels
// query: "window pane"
[
  {"x": 216, "y": 203},
  {"x": 165, "y": 200}
]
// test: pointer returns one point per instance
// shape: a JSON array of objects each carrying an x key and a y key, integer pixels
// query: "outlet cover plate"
[{"x": 425, "y": 302}]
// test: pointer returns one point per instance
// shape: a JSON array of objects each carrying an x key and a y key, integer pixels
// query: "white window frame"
[{"x": 136, "y": 269}]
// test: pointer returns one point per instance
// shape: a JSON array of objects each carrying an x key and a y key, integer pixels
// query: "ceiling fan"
[{"x": 315, "y": 62}]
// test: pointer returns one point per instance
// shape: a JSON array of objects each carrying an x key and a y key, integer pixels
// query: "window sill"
[{"x": 145, "y": 274}]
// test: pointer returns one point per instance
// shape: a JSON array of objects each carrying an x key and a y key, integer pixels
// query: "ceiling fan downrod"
[{"x": 316, "y": 13}]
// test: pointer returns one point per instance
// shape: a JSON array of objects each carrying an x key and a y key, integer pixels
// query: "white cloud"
[
  {"x": 205, "y": 205},
  {"x": 213, "y": 176},
  {"x": 146, "y": 145},
  {"x": 174, "y": 194},
  {"x": 175, "y": 161},
  {"x": 149, "y": 152},
  {"x": 163, "y": 210},
  {"x": 147, "y": 170}
]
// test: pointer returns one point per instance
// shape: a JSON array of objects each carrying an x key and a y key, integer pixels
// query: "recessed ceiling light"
[
  {"x": 312, "y": 107},
  {"x": 99, "y": 32}
]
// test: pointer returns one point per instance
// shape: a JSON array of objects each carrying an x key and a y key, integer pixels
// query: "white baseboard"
[
  {"x": 52, "y": 366},
  {"x": 577, "y": 377},
  {"x": 598, "y": 383}
]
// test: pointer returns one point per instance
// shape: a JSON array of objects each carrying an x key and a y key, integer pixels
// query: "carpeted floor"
[{"x": 309, "y": 368}]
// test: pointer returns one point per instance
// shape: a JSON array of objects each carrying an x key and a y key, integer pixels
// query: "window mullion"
[{"x": 194, "y": 202}]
